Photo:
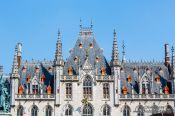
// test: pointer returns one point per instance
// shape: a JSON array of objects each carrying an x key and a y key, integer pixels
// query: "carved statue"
[{"x": 4, "y": 95}]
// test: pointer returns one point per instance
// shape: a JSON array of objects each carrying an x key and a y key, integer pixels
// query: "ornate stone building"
[{"x": 86, "y": 84}]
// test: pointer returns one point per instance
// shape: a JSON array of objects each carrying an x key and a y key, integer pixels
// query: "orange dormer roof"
[
  {"x": 125, "y": 90},
  {"x": 103, "y": 71},
  {"x": 166, "y": 89},
  {"x": 43, "y": 78},
  {"x": 49, "y": 90},
  {"x": 157, "y": 79},
  {"x": 129, "y": 78},
  {"x": 28, "y": 78},
  {"x": 70, "y": 71},
  {"x": 21, "y": 89}
]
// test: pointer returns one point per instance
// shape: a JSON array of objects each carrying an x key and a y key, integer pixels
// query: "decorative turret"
[
  {"x": 15, "y": 65},
  {"x": 15, "y": 73},
  {"x": 58, "y": 67},
  {"x": 58, "y": 54},
  {"x": 167, "y": 57},
  {"x": 115, "y": 53}
]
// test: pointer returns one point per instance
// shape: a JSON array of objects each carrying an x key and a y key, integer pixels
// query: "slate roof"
[
  {"x": 44, "y": 67},
  {"x": 138, "y": 70},
  {"x": 93, "y": 53}
]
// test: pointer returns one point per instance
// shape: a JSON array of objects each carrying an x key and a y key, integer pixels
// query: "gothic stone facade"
[{"x": 86, "y": 84}]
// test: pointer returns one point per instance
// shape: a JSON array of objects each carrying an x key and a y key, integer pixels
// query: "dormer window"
[
  {"x": 76, "y": 59},
  {"x": 70, "y": 71},
  {"x": 97, "y": 59},
  {"x": 80, "y": 45},
  {"x": 157, "y": 79},
  {"x": 49, "y": 68},
  {"x": 37, "y": 69},
  {"x": 129, "y": 78},
  {"x": 103, "y": 71},
  {"x": 23, "y": 69},
  {"x": 91, "y": 45}
]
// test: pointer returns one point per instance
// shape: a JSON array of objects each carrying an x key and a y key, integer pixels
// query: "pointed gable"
[{"x": 86, "y": 45}]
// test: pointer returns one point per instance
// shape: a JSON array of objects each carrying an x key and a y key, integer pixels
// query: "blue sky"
[{"x": 144, "y": 26}]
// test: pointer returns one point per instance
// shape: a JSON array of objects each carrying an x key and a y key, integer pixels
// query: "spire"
[
  {"x": 80, "y": 23},
  {"x": 19, "y": 52},
  {"x": 91, "y": 24},
  {"x": 167, "y": 57},
  {"x": 123, "y": 53},
  {"x": 15, "y": 64},
  {"x": 173, "y": 62},
  {"x": 115, "y": 54},
  {"x": 58, "y": 54}
]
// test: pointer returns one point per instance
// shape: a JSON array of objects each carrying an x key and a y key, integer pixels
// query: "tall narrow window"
[
  {"x": 145, "y": 86},
  {"x": 87, "y": 88},
  {"x": 68, "y": 111},
  {"x": 68, "y": 90},
  {"x": 34, "y": 111},
  {"x": 35, "y": 89},
  {"x": 126, "y": 111},
  {"x": 20, "y": 111},
  {"x": 48, "y": 111},
  {"x": 169, "y": 111},
  {"x": 106, "y": 91},
  {"x": 106, "y": 110},
  {"x": 87, "y": 110}
]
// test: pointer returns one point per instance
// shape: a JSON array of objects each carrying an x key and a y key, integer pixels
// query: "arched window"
[
  {"x": 169, "y": 110},
  {"x": 68, "y": 111},
  {"x": 34, "y": 111},
  {"x": 106, "y": 91},
  {"x": 140, "y": 111},
  {"x": 49, "y": 111},
  {"x": 87, "y": 88},
  {"x": 87, "y": 110},
  {"x": 20, "y": 111},
  {"x": 126, "y": 111},
  {"x": 106, "y": 110},
  {"x": 155, "y": 109}
]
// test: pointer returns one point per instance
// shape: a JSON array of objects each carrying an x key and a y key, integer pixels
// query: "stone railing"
[
  {"x": 69, "y": 78},
  {"x": 104, "y": 78},
  {"x": 148, "y": 96},
  {"x": 35, "y": 96}
]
